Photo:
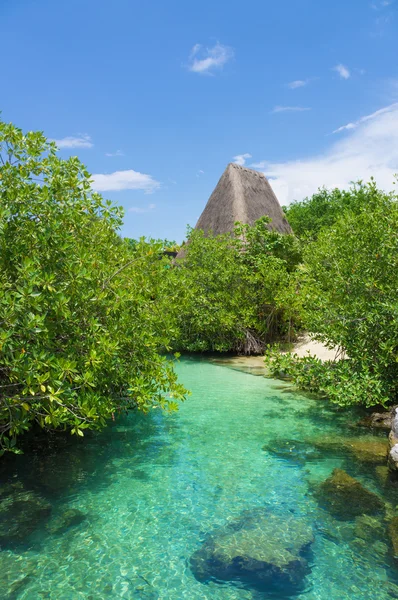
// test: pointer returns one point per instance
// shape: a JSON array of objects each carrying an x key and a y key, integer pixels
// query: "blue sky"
[{"x": 156, "y": 97}]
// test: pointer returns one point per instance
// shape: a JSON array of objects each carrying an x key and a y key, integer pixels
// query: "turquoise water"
[{"x": 150, "y": 488}]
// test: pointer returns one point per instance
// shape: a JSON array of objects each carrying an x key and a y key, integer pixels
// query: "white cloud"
[
  {"x": 370, "y": 148},
  {"x": 381, "y": 24},
  {"x": 241, "y": 159},
  {"x": 200, "y": 173},
  {"x": 139, "y": 210},
  {"x": 207, "y": 60},
  {"x": 117, "y": 153},
  {"x": 293, "y": 85},
  {"x": 342, "y": 71},
  {"x": 124, "y": 180},
  {"x": 279, "y": 109},
  {"x": 195, "y": 50},
  {"x": 367, "y": 118},
  {"x": 343, "y": 127},
  {"x": 382, "y": 4},
  {"x": 78, "y": 141}
]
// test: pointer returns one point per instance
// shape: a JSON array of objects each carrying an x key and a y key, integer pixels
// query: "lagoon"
[{"x": 127, "y": 508}]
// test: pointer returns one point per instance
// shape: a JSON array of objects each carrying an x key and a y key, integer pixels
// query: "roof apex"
[
  {"x": 243, "y": 195},
  {"x": 242, "y": 168}
]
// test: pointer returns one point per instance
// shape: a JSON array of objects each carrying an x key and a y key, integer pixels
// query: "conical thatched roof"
[{"x": 241, "y": 195}]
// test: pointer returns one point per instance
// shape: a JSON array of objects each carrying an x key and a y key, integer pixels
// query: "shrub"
[{"x": 80, "y": 330}]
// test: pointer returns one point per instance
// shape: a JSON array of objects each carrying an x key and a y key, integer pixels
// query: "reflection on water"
[{"x": 159, "y": 506}]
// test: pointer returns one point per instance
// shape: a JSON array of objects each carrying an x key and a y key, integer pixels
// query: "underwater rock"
[
  {"x": 393, "y": 534},
  {"x": 382, "y": 474},
  {"x": 15, "y": 573},
  {"x": 380, "y": 548},
  {"x": 390, "y": 511},
  {"x": 21, "y": 512},
  {"x": 377, "y": 420},
  {"x": 262, "y": 549},
  {"x": 369, "y": 528},
  {"x": 391, "y": 589},
  {"x": 336, "y": 533},
  {"x": 295, "y": 450},
  {"x": 365, "y": 449},
  {"x": 346, "y": 498},
  {"x": 69, "y": 518},
  {"x": 374, "y": 451}
]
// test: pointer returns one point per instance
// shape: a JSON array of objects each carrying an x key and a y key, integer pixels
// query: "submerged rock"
[
  {"x": 393, "y": 534},
  {"x": 346, "y": 498},
  {"x": 365, "y": 449},
  {"x": 369, "y": 528},
  {"x": 377, "y": 420},
  {"x": 380, "y": 548},
  {"x": 391, "y": 589},
  {"x": 69, "y": 518},
  {"x": 16, "y": 571},
  {"x": 382, "y": 474},
  {"x": 261, "y": 549},
  {"x": 294, "y": 450},
  {"x": 21, "y": 512}
]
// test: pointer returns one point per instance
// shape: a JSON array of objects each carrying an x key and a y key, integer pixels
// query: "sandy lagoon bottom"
[{"x": 141, "y": 497}]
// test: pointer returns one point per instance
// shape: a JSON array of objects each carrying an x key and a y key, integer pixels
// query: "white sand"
[
  {"x": 307, "y": 346},
  {"x": 255, "y": 364}
]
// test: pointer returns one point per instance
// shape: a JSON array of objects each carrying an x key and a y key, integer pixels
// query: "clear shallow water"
[{"x": 152, "y": 487}]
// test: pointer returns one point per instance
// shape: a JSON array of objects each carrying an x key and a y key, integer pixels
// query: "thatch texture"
[{"x": 241, "y": 195}]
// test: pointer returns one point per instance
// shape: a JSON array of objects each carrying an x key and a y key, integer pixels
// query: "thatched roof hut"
[{"x": 241, "y": 195}]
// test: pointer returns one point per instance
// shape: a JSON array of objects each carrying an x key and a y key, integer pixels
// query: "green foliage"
[
  {"x": 81, "y": 327},
  {"x": 85, "y": 314},
  {"x": 257, "y": 245},
  {"x": 163, "y": 246},
  {"x": 226, "y": 293},
  {"x": 349, "y": 298},
  {"x": 309, "y": 216},
  {"x": 343, "y": 382},
  {"x": 204, "y": 295}
]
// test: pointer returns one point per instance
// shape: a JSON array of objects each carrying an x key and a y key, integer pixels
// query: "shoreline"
[{"x": 255, "y": 364}]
